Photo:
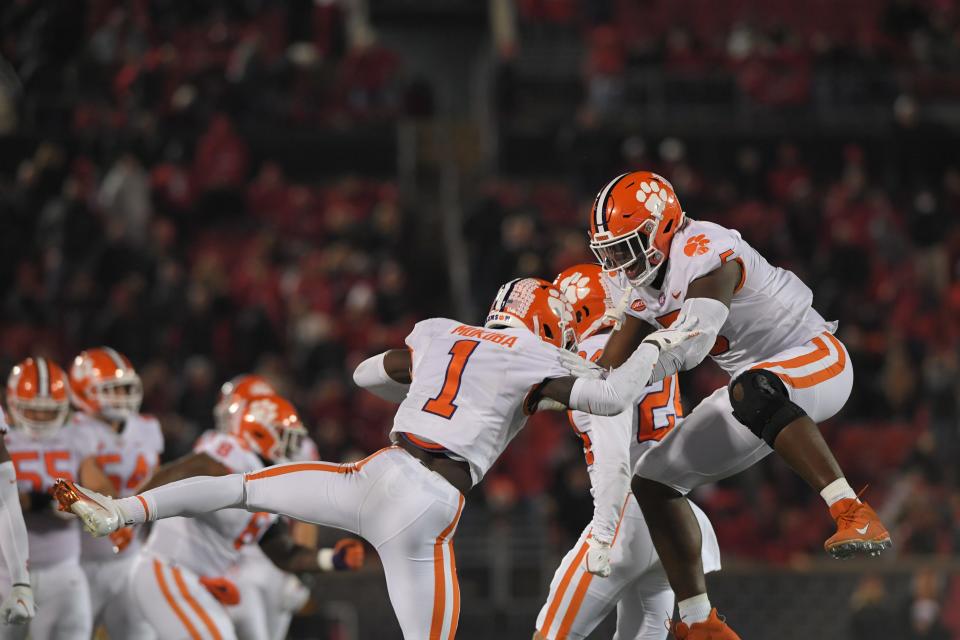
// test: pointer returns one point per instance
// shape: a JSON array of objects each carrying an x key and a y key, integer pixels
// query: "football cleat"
[
  {"x": 99, "y": 513},
  {"x": 859, "y": 531},
  {"x": 713, "y": 628}
]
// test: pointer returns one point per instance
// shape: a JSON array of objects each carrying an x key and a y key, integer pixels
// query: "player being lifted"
[
  {"x": 634, "y": 583},
  {"x": 464, "y": 392},
  {"x": 788, "y": 372}
]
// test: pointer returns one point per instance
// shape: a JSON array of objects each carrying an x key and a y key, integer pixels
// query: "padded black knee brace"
[{"x": 761, "y": 403}]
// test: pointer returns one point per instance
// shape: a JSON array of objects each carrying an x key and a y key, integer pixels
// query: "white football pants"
[{"x": 637, "y": 585}]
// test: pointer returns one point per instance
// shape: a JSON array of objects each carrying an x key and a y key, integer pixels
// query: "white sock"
[
  {"x": 836, "y": 491},
  {"x": 695, "y": 609},
  {"x": 134, "y": 510}
]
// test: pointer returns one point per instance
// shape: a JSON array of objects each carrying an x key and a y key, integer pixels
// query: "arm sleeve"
[
  {"x": 372, "y": 376},
  {"x": 705, "y": 315},
  {"x": 607, "y": 447},
  {"x": 622, "y": 387},
  {"x": 13, "y": 531}
]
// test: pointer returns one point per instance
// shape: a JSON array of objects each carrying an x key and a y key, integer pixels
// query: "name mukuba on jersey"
[
  {"x": 210, "y": 544},
  {"x": 771, "y": 309},
  {"x": 469, "y": 386}
]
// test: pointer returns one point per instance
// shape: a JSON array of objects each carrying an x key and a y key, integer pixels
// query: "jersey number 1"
[{"x": 442, "y": 405}]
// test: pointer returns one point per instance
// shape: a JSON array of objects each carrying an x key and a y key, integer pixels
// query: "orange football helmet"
[
  {"x": 37, "y": 396},
  {"x": 270, "y": 426},
  {"x": 237, "y": 390},
  {"x": 103, "y": 382},
  {"x": 583, "y": 287},
  {"x": 633, "y": 220},
  {"x": 537, "y": 305}
]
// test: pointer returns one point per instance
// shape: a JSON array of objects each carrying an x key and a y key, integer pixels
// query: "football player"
[
  {"x": 269, "y": 596},
  {"x": 42, "y": 452},
  {"x": 18, "y": 606},
  {"x": 106, "y": 391},
  {"x": 787, "y": 373},
  {"x": 634, "y": 579},
  {"x": 464, "y": 394},
  {"x": 179, "y": 580}
]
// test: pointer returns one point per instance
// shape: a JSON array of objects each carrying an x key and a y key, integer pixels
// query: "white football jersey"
[
  {"x": 128, "y": 459},
  {"x": 469, "y": 386},
  {"x": 210, "y": 544},
  {"x": 40, "y": 461},
  {"x": 613, "y": 444},
  {"x": 771, "y": 310}
]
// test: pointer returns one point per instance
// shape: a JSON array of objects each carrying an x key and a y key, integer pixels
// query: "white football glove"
[
  {"x": 667, "y": 339},
  {"x": 598, "y": 558},
  {"x": 18, "y": 607},
  {"x": 579, "y": 367}
]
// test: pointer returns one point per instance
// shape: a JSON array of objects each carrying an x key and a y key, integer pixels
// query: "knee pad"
[{"x": 761, "y": 403}]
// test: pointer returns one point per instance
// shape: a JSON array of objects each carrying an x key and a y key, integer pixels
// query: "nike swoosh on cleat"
[{"x": 864, "y": 529}]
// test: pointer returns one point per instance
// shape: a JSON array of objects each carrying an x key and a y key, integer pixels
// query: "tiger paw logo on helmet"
[
  {"x": 575, "y": 287},
  {"x": 651, "y": 198},
  {"x": 263, "y": 410},
  {"x": 697, "y": 245}
]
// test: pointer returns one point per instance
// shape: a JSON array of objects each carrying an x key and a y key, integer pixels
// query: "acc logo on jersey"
[
  {"x": 697, "y": 245},
  {"x": 638, "y": 305}
]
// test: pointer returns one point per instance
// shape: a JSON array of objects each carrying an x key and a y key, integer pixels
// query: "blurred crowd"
[
  {"x": 95, "y": 68},
  {"x": 747, "y": 54},
  {"x": 145, "y": 220}
]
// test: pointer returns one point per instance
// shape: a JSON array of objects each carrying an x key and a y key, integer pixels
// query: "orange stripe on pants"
[
  {"x": 197, "y": 609},
  {"x": 813, "y": 379},
  {"x": 440, "y": 584},
  {"x": 350, "y": 467},
  {"x": 456, "y": 593},
  {"x": 574, "y": 608},
  {"x": 158, "y": 573},
  {"x": 562, "y": 589}
]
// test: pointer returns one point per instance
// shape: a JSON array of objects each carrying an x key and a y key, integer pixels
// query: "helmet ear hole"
[
  {"x": 547, "y": 331},
  {"x": 666, "y": 228}
]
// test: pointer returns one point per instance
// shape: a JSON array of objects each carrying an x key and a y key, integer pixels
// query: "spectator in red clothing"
[{"x": 222, "y": 159}]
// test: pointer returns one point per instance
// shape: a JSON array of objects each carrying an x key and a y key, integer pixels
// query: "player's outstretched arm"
[
  {"x": 278, "y": 545},
  {"x": 606, "y": 397},
  {"x": 386, "y": 375},
  {"x": 624, "y": 342},
  {"x": 18, "y": 607}
]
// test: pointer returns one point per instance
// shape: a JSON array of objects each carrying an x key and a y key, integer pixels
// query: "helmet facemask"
[
  {"x": 634, "y": 254},
  {"x": 40, "y": 417},
  {"x": 121, "y": 398}
]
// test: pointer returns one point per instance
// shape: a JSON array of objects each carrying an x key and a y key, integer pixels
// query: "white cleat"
[{"x": 99, "y": 513}]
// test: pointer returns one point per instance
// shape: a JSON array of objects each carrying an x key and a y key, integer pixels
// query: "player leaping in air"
[
  {"x": 788, "y": 372},
  {"x": 464, "y": 394}
]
